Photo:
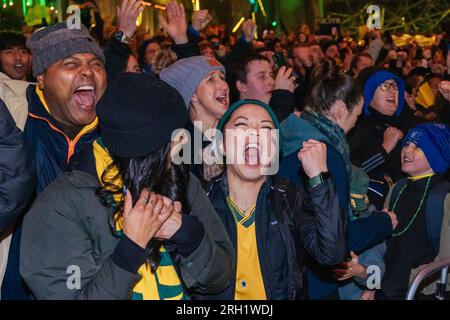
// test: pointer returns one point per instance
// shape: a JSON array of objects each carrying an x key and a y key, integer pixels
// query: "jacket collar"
[
  {"x": 38, "y": 108},
  {"x": 221, "y": 183}
]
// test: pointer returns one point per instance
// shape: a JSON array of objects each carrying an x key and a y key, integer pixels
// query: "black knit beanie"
[{"x": 138, "y": 114}]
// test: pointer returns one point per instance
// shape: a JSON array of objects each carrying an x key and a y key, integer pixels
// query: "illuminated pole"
[
  {"x": 321, "y": 8},
  {"x": 263, "y": 10},
  {"x": 238, "y": 25}
]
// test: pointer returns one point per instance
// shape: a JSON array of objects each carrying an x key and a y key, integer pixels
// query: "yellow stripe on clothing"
[{"x": 164, "y": 283}]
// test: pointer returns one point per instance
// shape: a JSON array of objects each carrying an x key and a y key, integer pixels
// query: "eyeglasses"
[{"x": 386, "y": 86}]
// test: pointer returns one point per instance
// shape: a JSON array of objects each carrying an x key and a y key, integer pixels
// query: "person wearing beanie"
[
  {"x": 335, "y": 103},
  {"x": 71, "y": 78},
  {"x": 257, "y": 208},
  {"x": 422, "y": 204},
  {"x": 201, "y": 82},
  {"x": 375, "y": 141},
  {"x": 136, "y": 224}
]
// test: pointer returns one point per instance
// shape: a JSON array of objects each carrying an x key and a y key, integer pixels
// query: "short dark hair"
[
  {"x": 356, "y": 58},
  {"x": 240, "y": 69},
  {"x": 141, "y": 50},
  {"x": 10, "y": 39}
]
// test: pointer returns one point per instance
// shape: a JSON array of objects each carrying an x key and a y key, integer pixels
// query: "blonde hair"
[{"x": 164, "y": 59}]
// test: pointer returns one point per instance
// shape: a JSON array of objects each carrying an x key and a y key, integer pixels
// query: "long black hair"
[{"x": 155, "y": 172}]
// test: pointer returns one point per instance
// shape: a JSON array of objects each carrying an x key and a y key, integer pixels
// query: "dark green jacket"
[{"x": 68, "y": 229}]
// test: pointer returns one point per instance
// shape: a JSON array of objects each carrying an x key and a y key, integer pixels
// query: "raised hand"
[
  {"x": 175, "y": 24},
  {"x": 284, "y": 79},
  {"x": 390, "y": 138},
  {"x": 248, "y": 30},
  {"x": 313, "y": 156},
  {"x": 127, "y": 14},
  {"x": 200, "y": 20}
]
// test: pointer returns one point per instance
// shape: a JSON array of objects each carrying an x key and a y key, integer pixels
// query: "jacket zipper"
[{"x": 71, "y": 143}]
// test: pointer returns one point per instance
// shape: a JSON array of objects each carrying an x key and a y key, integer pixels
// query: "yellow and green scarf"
[{"x": 164, "y": 284}]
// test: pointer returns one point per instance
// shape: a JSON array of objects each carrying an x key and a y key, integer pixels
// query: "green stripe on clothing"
[{"x": 240, "y": 217}]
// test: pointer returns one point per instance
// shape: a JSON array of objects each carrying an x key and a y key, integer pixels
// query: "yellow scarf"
[{"x": 164, "y": 284}]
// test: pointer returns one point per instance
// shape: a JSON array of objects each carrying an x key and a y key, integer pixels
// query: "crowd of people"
[{"x": 314, "y": 166}]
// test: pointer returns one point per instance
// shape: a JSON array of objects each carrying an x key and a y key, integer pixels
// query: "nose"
[
  {"x": 271, "y": 82},
  {"x": 86, "y": 70},
  {"x": 18, "y": 55},
  {"x": 222, "y": 85},
  {"x": 409, "y": 148}
]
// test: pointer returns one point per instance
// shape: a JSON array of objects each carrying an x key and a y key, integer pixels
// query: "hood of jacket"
[{"x": 295, "y": 131}]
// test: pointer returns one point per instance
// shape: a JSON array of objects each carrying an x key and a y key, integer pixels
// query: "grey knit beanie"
[
  {"x": 186, "y": 74},
  {"x": 51, "y": 44}
]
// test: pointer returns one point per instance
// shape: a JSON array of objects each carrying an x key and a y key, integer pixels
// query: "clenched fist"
[
  {"x": 390, "y": 138},
  {"x": 313, "y": 157}
]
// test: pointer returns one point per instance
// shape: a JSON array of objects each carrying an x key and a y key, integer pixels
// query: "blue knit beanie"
[
  {"x": 434, "y": 140},
  {"x": 374, "y": 81}
]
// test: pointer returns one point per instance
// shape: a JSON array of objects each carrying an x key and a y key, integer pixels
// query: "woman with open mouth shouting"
[{"x": 263, "y": 214}]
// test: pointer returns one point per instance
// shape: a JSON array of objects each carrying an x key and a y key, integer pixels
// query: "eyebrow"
[
  {"x": 89, "y": 61},
  {"x": 267, "y": 121},
  {"x": 241, "y": 117}
]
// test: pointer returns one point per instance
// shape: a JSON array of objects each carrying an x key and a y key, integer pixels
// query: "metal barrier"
[{"x": 425, "y": 273}]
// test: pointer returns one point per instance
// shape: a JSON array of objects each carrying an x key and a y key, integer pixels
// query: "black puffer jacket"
[
  {"x": 16, "y": 173},
  {"x": 290, "y": 223}
]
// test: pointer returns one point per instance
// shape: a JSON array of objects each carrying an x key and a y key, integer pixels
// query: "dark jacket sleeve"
[
  {"x": 282, "y": 103},
  {"x": 367, "y": 232},
  {"x": 116, "y": 58},
  {"x": 365, "y": 151},
  {"x": 16, "y": 172},
  {"x": 208, "y": 269},
  {"x": 241, "y": 49},
  {"x": 323, "y": 231},
  {"x": 189, "y": 49},
  {"x": 57, "y": 260}
]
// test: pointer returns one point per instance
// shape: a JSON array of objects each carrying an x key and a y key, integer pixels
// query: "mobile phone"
[{"x": 279, "y": 60}]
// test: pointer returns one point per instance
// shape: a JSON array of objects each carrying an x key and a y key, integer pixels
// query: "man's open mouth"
[{"x": 85, "y": 95}]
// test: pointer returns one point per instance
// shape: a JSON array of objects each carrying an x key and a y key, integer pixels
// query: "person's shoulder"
[{"x": 69, "y": 187}]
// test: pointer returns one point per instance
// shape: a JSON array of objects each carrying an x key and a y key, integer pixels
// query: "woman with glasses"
[{"x": 375, "y": 141}]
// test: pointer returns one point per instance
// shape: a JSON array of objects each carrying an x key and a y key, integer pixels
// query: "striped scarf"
[{"x": 164, "y": 284}]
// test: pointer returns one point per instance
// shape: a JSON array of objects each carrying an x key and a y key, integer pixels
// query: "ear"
[
  {"x": 40, "y": 81},
  {"x": 194, "y": 98},
  {"x": 338, "y": 111},
  {"x": 241, "y": 86}
]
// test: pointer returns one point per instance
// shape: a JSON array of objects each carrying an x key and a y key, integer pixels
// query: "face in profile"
[{"x": 251, "y": 143}]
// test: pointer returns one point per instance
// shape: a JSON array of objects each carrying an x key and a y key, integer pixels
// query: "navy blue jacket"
[
  {"x": 362, "y": 233},
  {"x": 51, "y": 148},
  {"x": 16, "y": 171},
  {"x": 282, "y": 239}
]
